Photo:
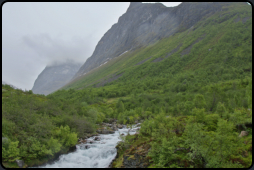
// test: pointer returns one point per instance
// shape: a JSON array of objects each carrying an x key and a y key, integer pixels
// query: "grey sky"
[{"x": 36, "y": 34}]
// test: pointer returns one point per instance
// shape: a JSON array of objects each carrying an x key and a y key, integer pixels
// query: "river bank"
[{"x": 94, "y": 152}]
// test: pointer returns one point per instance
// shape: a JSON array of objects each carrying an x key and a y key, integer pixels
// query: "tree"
[
  {"x": 120, "y": 107},
  {"x": 199, "y": 101},
  {"x": 221, "y": 110}
]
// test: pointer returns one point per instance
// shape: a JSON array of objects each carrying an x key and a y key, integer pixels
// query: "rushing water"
[{"x": 99, "y": 155}]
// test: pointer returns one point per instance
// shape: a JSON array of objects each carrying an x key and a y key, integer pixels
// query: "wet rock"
[
  {"x": 87, "y": 146},
  {"x": 20, "y": 163},
  {"x": 97, "y": 138},
  {"x": 105, "y": 131},
  {"x": 108, "y": 132},
  {"x": 120, "y": 126},
  {"x": 90, "y": 141}
]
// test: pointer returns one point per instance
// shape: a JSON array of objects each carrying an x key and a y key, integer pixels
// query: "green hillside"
[
  {"x": 193, "y": 91},
  {"x": 196, "y": 84},
  {"x": 221, "y": 44},
  {"x": 36, "y": 128}
]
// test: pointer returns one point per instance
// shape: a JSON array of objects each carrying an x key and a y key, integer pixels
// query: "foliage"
[{"x": 193, "y": 106}]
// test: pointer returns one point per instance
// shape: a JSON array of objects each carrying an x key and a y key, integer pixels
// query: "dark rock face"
[
  {"x": 54, "y": 77},
  {"x": 138, "y": 161},
  {"x": 144, "y": 24}
]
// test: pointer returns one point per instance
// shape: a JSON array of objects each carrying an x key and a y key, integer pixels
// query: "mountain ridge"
[
  {"x": 144, "y": 24},
  {"x": 54, "y": 77}
]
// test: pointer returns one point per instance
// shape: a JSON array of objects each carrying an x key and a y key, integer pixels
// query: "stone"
[
  {"x": 120, "y": 126},
  {"x": 20, "y": 163},
  {"x": 91, "y": 141},
  {"x": 243, "y": 133},
  {"x": 87, "y": 146},
  {"x": 104, "y": 131},
  {"x": 97, "y": 138}
]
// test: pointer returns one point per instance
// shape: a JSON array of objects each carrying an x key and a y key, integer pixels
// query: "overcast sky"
[{"x": 36, "y": 34}]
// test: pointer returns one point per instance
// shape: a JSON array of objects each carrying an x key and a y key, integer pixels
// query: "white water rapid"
[{"x": 99, "y": 155}]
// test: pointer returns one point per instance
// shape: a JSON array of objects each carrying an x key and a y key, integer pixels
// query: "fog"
[{"x": 37, "y": 34}]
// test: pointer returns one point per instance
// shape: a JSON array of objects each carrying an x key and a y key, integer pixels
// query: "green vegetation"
[
  {"x": 35, "y": 127},
  {"x": 194, "y": 106}
]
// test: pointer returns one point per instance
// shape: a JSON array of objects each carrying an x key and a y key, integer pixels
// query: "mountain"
[
  {"x": 208, "y": 34},
  {"x": 54, "y": 77},
  {"x": 191, "y": 91},
  {"x": 144, "y": 24}
]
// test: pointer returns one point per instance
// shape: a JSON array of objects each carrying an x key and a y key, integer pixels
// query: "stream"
[{"x": 99, "y": 154}]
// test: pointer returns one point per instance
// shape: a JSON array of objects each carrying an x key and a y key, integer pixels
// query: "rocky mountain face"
[
  {"x": 145, "y": 23},
  {"x": 54, "y": 77}
]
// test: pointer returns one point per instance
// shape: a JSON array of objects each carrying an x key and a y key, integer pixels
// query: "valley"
[{"x": 191, "y": 89}]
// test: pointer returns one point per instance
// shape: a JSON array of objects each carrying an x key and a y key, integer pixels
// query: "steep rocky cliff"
[
  {"x": 54, "y": 77},
  {"x": 145, "y": 23}
]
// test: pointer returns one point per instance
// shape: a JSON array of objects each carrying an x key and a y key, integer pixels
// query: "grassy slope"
[
  {"x": 219, "y": 67},
  {"x": 219, "y": 37}
]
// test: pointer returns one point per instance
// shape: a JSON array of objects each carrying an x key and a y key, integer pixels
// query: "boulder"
[
  {"x": 114, "y": 128},
  {"x": 97, "y": 138},
  {"x": 87, "y": 146},
  {"x": 108, "y": 132},
  {"x": 120, "y": 126},
  {"x": 90, "y": 141},
  {"x": 20, "y": 163},
  {"x": 243, "y": 133}
]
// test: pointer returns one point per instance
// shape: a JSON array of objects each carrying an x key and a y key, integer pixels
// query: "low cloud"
[{"x": 57, "y": 51}]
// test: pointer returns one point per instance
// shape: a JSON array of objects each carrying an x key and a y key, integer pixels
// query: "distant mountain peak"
[{"x": 54, "y": 77}]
